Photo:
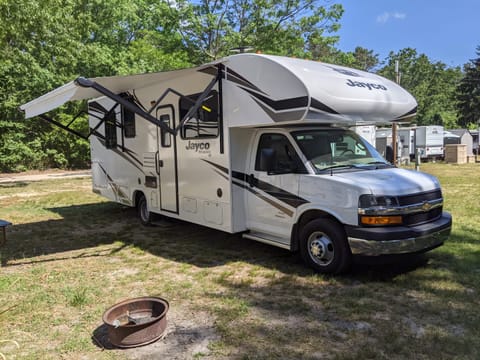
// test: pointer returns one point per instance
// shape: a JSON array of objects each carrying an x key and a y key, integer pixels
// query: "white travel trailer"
[
  {"x": 257, "y": 144},
  {"x": 407, "y": 142},
  {"x": 429, "y": 141}
]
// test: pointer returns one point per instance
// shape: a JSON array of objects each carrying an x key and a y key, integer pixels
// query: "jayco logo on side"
[
  {"x": 370, "y": 86},
  {"x": 197, "y": 146}
]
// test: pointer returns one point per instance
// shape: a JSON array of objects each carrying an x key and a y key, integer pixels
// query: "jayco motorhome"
[{"x": 257, "y": 144}]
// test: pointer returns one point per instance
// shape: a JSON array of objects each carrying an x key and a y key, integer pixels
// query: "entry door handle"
[{"x": 160, "y": 163}]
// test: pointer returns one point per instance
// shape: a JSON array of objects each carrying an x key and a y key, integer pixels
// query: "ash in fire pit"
[{"x": 136, "y": 322}]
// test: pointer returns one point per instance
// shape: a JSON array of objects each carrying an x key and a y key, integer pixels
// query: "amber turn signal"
[{"x": 381, "y": 220}]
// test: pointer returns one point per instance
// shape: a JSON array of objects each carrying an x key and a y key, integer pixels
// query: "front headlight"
[
  {"x": 372, "y": 201},
  {"x": 378, "y": 210}
]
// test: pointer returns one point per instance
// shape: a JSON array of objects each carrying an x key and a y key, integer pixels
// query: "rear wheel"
[
  {"x": 324, "y": 247},
  {"x": 142, "y": 210}
]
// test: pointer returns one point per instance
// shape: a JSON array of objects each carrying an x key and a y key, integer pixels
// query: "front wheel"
[
  {"x": 142, "y": 210},
  {"x": 324, "y": 247}
]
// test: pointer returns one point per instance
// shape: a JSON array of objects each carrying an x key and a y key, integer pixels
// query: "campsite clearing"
[{"x": 70, "y": 255}]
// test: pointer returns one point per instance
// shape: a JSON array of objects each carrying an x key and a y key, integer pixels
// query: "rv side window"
[
  {"x": 166, "y": 137},
  {"x": 204, "y": 122},
  {"x": 110, "y": 130},
  {"x": 285, "y": 156},
  {"x": 128, "y": 119}
]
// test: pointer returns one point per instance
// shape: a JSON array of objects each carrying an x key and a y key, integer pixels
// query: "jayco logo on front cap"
[{"x": 370, "y": 86}]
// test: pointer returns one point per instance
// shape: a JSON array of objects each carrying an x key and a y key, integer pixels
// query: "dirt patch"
[
  {"x": 187, "y": 336},
  {"x": 35, "y": 175}
]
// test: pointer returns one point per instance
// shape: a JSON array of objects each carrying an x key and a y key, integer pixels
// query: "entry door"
[{"x": 167, "y": 161}]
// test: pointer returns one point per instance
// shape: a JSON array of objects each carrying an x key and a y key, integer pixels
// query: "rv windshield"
[{"x": 327, "y": 149}]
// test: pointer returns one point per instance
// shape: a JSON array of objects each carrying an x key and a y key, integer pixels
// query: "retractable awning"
[{"x": 115, "y": 84}]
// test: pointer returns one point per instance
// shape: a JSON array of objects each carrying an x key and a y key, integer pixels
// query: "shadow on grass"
[
  {"x": 344, "y": 307},
  {"x": 13, "y": 185},
  {"x": 85, "y": 227}
]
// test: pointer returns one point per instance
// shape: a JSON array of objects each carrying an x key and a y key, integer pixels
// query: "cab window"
[{"x": 284, "y": 156}]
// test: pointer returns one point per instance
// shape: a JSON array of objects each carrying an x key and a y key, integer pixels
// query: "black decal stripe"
[
  {"x": 131, "y": 158},
  {"x": 222, "y": 171},
  {"x": 264, "y": 198},
  {"x": 408, "y": 114},
  {"x": 221, "y": 174},
  {"x": 220, "y": 167},
  {"x": 280, "y": 194},
  {"x": 116, "y": 189},
  {"x": 211, "y": 70},
  {"x": 97, "y": 107},
  {"x": 276, "y": 192},
  {"x": 282, "y": 116},
  {"x": 284, "y": 104},
  {"x": 317, "y": 105},
  {"x": 240, "y": 80}
]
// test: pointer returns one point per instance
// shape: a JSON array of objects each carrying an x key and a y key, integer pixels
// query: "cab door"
[
  {"x": 167, "y": 160},
  {"x": 273, "y": 185}
]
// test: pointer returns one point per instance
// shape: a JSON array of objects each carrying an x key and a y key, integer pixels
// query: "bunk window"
[
  {"x": 110, "y": 130},
  {"x": 204, "y": 123},
  {"x": 128, "y": 119}
]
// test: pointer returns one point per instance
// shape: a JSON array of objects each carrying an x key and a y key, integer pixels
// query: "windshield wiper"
[
  {"x": 380, "y": 163},
  {"x": 346, "y": 166}
]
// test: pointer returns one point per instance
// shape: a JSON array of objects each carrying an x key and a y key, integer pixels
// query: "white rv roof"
[
  {"x": 335, "y": 93},
  {"x": 329, "y": 92}
]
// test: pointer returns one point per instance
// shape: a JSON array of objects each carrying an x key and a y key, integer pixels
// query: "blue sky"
[{"x": 444, "y": 30}]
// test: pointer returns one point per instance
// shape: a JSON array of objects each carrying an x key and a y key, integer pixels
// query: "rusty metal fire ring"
[{"x": 136, "y": 322}]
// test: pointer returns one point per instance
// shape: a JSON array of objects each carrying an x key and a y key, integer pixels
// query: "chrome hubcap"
[{"x": 320, "y": 248}]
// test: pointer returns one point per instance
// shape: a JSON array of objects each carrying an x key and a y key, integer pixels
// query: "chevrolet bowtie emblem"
[{"x": 426, "y": 206}]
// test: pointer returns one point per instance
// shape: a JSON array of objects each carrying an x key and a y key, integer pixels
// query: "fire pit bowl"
[{"x": 136, "y": 322}]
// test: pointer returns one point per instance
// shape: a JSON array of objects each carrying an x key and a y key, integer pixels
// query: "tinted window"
[
  {"x": 286, "y": 158},
  {"x": 204, "y": 122}
]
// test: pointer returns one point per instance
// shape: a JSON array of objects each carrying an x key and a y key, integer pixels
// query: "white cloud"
[{"x": 383, "y": 18}]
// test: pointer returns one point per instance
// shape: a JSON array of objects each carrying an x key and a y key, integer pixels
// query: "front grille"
[
  {"x": 422, "y": 217},
  {"x": 419, "y": 197}
]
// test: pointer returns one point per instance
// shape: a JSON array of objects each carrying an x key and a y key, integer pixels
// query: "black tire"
[
  {"x": 144, "y": 215},
  {"x": 324, "y": 247}
]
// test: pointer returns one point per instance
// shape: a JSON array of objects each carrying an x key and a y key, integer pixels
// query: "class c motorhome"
[{"x": 259, "y": 145}]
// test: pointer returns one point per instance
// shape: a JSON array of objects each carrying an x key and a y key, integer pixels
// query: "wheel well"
[
  {"x": 136, "y": 197},
  {"x": 305, "y": 218}
]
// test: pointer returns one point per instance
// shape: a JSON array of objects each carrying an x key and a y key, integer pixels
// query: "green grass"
[{"x": 70, "y": 255}]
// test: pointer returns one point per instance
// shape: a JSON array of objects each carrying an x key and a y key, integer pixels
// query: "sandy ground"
[{"x": 43, "y": 175}]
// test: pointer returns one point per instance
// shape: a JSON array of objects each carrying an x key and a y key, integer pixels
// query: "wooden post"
[{"x": 394, "y": 143}]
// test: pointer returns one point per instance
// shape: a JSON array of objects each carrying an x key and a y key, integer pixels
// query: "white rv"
[
  {"x": 429, "y": 141},
  {"x": 257, "y": 144},
  {"x": 407, "y": 142}
]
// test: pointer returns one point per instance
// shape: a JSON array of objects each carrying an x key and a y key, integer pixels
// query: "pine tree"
[{"x": 468, "y": 93}]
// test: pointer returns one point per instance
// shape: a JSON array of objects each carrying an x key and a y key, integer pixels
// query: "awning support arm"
[
  {"x": 66, "y": 128},
  {"x": 125, "y": 103},
  {"x": 199, "y": 102}
]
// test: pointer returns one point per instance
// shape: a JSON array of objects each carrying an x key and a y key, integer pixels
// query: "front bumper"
[{"x": 377, "y": 241}]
